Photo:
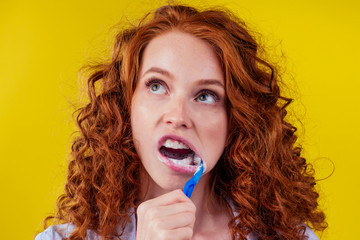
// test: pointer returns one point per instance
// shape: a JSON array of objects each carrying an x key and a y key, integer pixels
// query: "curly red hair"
[{"x": 261, "y": 170}]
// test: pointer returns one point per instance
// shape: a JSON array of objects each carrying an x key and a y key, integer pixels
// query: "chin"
[{"x": 161, "y": 184}]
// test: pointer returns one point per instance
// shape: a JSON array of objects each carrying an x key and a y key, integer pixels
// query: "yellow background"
[{"x": 44, "y": 43}]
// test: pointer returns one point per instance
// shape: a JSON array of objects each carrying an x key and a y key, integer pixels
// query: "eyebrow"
[
  {"x": 199, "y": 82},
  {"x": 158, "y": 70},
  {"x": 210, "y": 82}
]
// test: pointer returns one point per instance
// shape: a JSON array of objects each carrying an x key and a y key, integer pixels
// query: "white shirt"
[{"x": 64, "y": 230}]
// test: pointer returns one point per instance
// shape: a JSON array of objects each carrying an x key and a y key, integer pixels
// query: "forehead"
[{"x": 181, "y": 53}]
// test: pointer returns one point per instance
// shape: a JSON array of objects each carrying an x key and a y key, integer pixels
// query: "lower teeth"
[{"x": 190, "y": 160}]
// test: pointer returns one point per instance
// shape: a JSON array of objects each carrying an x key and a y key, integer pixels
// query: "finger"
[
  {"x": 170, "y": 198},
  {"x": 171, "y": 222},
  {"x": 168, "y": 210},
  {"x": 168, "y": 217},
  {"x": 170, "y": 203},
  {"x": 176, "y": 234}
]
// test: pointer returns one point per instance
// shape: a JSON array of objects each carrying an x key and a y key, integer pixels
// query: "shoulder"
[
  {"x": 309, "y": 233},
  {"x": 58, "y": 232}
]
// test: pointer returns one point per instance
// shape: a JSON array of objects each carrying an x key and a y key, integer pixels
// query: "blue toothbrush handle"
[
  {"x": 188, "y": 188},
  {"x": 189, "y": 185}
]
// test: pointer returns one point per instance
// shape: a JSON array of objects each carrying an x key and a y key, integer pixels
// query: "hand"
[{"x": 170, "y": 216}]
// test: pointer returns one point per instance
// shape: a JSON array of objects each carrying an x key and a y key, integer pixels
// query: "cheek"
[
  {"x": 216, "y": 126},
  {"x": 143, "y": 120},
  {"x": 143, "y": 114},
  {"x": 214, "y": 132},
  {"x": 138, "y": 126}
]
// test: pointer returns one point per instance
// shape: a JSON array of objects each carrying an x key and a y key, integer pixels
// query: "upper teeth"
[{"x": 175, "y": 144}]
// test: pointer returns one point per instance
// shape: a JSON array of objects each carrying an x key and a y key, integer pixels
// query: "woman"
[{"x": 183, "y": 86}]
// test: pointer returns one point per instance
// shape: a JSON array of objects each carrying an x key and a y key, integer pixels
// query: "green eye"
[
  {"x": 202, "y": 97},
  {"x": 207, "y": 97},
  {"x": 155, "y": 87}
]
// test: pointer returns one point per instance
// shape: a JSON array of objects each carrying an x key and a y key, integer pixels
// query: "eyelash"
[
  {"x": 154, "y": 80},
  {"x": 209, "y": 92}
]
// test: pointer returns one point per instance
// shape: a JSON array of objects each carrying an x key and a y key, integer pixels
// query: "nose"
[{"x": 177, "y": 114}]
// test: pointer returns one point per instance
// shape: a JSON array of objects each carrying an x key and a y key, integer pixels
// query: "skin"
[{"x": 180, "y": 91}]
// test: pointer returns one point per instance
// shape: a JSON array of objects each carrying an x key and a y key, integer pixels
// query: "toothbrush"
[{"x": 189, "y": 185}]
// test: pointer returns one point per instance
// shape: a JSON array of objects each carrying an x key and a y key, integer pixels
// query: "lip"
[{"x": 171, "y": 165}]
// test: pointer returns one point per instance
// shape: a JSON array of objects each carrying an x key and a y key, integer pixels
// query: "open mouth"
[{"x": 179, "y": 153}]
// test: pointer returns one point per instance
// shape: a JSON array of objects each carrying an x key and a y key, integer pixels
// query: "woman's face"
[{"x": 178, "y": 112}]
